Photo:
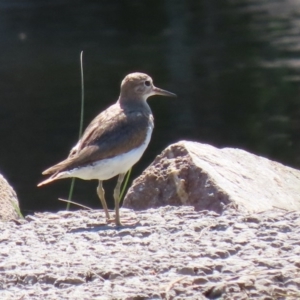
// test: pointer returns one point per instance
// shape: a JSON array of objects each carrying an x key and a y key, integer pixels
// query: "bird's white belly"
[{"x": 108, "y": 168}]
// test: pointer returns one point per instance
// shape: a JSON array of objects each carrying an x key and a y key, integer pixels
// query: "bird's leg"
[
  {"x": 117, "y": 198},
  {"x": 101, "y": 195}
]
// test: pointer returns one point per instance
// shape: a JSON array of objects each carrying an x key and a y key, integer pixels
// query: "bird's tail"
[{"x": 53, "y": 178}]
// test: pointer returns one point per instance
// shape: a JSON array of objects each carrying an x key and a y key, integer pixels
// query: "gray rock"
[
  {"x": 9, "y": 204},
  {"x": 190, "y": 173}
]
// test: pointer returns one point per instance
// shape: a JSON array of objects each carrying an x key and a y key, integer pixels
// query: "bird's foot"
[{"x": 110, "y": 220}]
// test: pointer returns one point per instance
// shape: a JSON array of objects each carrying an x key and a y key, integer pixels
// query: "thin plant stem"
[
  {"x": 73, "y": 202},
  {"x": 81, "y": 124},
  {"x": 70, "y": 193},
  {"x": 82, "y": 95},
  {"x": 125, "y": 183}
]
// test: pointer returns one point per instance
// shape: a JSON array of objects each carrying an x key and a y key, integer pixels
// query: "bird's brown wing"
[{"x": 113, "y": 132}]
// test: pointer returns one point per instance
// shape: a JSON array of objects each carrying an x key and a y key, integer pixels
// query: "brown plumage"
[{"x": 114, "y": 131}]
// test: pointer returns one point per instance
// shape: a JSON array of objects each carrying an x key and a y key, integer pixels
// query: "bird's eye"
[{"x": 147, "y": 83}]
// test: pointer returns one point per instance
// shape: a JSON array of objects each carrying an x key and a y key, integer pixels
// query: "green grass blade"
[
  {"x": 82, "y": 96},
  {"x": 125, "y": 184},
  {"x": 17, "y": 209},
  {"x": 81, "y": 124},
  {"x": 70, "y": 193}
]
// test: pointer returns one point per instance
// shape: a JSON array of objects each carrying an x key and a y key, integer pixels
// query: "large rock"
[
  {"x": 208, "y": 178},
  {"x": 9, "y": 205}
]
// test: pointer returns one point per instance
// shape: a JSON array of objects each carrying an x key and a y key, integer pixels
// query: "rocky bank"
[{"x": 172, "y": 253}]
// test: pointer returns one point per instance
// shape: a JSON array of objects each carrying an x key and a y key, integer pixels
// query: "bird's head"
[{"x": 140, "y": 86}]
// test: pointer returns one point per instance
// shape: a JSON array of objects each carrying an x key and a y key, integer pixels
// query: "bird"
[{"x": 114, "y": 141}]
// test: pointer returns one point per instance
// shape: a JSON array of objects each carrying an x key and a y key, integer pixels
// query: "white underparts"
[{"x": 108, "y": 168}]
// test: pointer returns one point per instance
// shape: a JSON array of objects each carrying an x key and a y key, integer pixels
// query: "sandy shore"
[{"x": 173, "y": 253}]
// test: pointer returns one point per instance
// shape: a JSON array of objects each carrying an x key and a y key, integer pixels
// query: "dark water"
[{"x": 234, "y": 65}]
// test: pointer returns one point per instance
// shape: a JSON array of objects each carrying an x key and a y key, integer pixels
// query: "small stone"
[
  {"x": 200, "y": 280},
  {"x": 30, "y": 279},
  {"x": 186, "y": 271}
]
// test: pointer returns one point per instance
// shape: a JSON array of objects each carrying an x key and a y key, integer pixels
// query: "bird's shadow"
[{"x": 103, "y": 228}]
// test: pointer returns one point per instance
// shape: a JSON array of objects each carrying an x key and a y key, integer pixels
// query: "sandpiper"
[{"x": 114, "y": 141}]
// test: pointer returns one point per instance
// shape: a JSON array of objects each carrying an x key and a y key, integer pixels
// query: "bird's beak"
[{"x": 158, "y": 91}]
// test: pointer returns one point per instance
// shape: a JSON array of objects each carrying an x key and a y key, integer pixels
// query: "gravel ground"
[{"x": 173, "y": 253}]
